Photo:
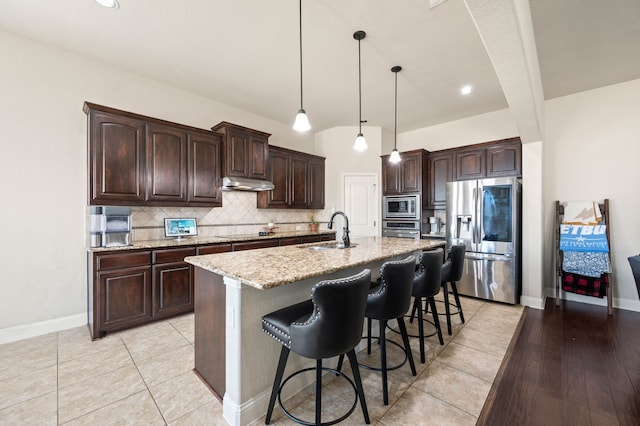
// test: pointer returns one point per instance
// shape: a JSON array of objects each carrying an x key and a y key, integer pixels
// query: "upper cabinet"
[
  {"x": 440, "y": 172},
  {"x": 487, "y": 160},
  {"x": 298, "y": 179},
  {"x": 406, "y": 177},
  {"x": 136, "y": 160},
  {"x": 244, "y": 151}
]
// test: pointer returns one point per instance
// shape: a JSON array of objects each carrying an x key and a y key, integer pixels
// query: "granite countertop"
[
  {"x": 192, "y": 241},
  {"x": 272, "y": 267}
]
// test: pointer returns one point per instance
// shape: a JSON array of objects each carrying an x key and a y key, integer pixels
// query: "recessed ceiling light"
[
  {"x": 111, "y": 4},
  {"x": 465, "y": 90}
]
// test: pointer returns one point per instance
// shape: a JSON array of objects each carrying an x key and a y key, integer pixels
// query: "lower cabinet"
[
  {"x": 128, "y": 288},
  {"x": 172, "y": 282},
  {"x": 120, "y": 296}
]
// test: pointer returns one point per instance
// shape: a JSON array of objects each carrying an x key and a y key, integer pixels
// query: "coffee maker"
[{"x": 109, "y": 226}]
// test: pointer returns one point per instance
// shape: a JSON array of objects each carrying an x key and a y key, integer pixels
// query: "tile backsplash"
[{"x": 238, "y": 215}]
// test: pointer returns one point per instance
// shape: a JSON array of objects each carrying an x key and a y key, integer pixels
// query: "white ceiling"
[{"x": 245, "y": 52}]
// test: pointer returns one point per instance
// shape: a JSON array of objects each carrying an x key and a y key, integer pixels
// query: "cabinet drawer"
[
  {"x": 289, "y": 241},
  {"x": 250, "y": 245},
  {"x": 172, "y": 255},
  {"x": 212, "y": 249},
  {"x": 122, "y": 260}
]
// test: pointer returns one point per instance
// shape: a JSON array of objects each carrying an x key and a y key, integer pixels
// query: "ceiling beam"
[{"x": 506, "y": 29}]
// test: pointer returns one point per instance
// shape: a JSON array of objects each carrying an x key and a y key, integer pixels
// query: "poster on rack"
[{"x": 591, "y": 238}]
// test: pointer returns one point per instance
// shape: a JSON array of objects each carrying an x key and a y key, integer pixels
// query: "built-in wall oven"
[
  {"x": 404, "y": 207},
  {"x": 401, "y": 229}
]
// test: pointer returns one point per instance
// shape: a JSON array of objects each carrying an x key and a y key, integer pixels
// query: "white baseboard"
[
  {"x": 626, "y": 304},
  {"x": 533, "y": 302},
  {"x": 20, "y": 332}
]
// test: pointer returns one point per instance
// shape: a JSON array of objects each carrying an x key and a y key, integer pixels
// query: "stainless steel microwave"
[{"x": 401, "y": 207}]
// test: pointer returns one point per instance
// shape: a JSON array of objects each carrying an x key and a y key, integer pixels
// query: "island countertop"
[{"x": 272, "y": 267}]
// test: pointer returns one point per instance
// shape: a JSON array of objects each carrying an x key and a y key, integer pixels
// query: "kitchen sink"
[{"x": 329, "y": 246}]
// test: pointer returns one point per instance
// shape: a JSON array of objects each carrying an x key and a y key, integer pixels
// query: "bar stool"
[
  {"x": 451, "y": 273},
  {"x": 328, "y": 325},
  {"x": 390, "y": 300},
  {"x": 426, "y": 285}
]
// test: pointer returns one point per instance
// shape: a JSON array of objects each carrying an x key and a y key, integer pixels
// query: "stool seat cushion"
[{"x": 277, "y": 324}]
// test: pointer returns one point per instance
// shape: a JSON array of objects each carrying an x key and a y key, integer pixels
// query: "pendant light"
[
  {"x": 302, "y": 122},
  {"x": 361, "y": 143},
  {"x": 395, "y": 155}
]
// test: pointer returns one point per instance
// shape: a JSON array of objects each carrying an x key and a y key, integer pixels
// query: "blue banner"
[{"x": 584, "y": 238}]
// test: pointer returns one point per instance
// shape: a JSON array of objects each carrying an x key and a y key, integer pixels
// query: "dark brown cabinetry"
[
  {"x": 116, "y": 158},
  {"x": 142, "y": 161},
  {"x": 244, "y": 151},
  {"x": 409, "y": 176},
  {"x": 298, "y": 179},
  {"x": 470, "y": 163},
  {"x": 505, "y": 159},
  {"x": 491, "y": 159},
  {"x": 204, "y": 169},
  {"x": 128, "y": 288},
  {"x": 440, "y": 172},
  {"x": 120, "y": 296},
  {"x": 172, "y": 281},
  {"x": 166, "y": 163}
]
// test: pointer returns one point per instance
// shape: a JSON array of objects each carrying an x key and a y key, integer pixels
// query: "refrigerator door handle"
[
  {"x": 506, "y": 257},
  {"x": 474, "y": 226}
]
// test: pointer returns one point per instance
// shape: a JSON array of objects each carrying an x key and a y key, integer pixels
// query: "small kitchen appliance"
[
  {"x": 405, "y": 207},
  {"x": 109, "y": 226}
]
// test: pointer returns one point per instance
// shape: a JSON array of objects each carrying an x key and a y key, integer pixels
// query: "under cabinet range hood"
[{"x": 232, "y": 183}]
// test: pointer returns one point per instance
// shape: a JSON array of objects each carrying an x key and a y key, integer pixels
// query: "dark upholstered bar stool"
[
  {"x": 391, "y": 300},
  {"x": 426, "y": 285},
  {"x": 451, "y": 273},
  {"x": 328, "y": 325}
]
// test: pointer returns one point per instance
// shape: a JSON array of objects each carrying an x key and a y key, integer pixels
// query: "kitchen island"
[{"x": 234, "y": 290}]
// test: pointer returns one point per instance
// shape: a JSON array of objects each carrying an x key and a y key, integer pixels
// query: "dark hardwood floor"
[{"x": 569, "y": 365}]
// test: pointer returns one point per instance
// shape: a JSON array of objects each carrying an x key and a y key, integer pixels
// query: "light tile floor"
[{"x": 144, "y": 376}]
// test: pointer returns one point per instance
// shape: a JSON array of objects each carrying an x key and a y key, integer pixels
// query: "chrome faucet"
[{"x": 345, "y": 229}]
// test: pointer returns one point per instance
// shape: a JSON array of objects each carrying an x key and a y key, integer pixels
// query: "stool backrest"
[
  {"x": 426, "y": 282},
  {"x": 335, "y": 326},
  {"x": 392, "y": 297},
  {"x": 452, "y": 267}
]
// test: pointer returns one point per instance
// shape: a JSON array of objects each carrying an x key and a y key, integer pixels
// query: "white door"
[{"x": 361, "y": 204}]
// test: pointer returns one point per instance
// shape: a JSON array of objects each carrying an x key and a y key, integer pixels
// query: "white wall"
[
  {"x": 593, "y": 152},
  {"x": 43, "y": 171},
  {"x": 336, "y": 145}
]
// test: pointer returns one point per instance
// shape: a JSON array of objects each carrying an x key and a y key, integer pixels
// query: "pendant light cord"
[
  {"x": 359, "y": 88},
  {"x": 395, "y": 124},
  {"x": 300, "y": 20}
]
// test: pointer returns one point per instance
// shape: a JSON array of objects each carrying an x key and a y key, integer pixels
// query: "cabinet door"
[
  {"x": 440, "y": 172},
  {"x": 257, "y": 156},
  {"x": 278, "y": 173},
  {"x": 250, "y": 245},
  {"x": 166, "y": 164},
  {"x": 391, "y": 173},
  {"x": 470, "y": 164},
  {"x": 504, "y": 160},
  {"x": 124, "y": 298},
  {"x": 316, "y": 183},
  {"x": 116, "y": 163},
  {"x": 204, "y": 169},
  {"x": 172, "y": 289},
  {"x": 411, "y": 174},
  {"x": 299, "y": 185},
  {"x": 236, "y": 162}
]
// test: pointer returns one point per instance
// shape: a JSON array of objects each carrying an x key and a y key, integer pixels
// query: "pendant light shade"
[
  {"x": 361, "y": 143},
  {"x": 302, "y": 121},
  {"x": 395, "y": 155}
]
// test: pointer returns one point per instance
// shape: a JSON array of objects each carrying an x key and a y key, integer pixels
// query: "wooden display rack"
[{"x": 604, "y": 210}]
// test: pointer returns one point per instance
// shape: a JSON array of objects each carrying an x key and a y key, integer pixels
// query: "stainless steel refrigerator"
[{"x": 485, "y": 216}]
